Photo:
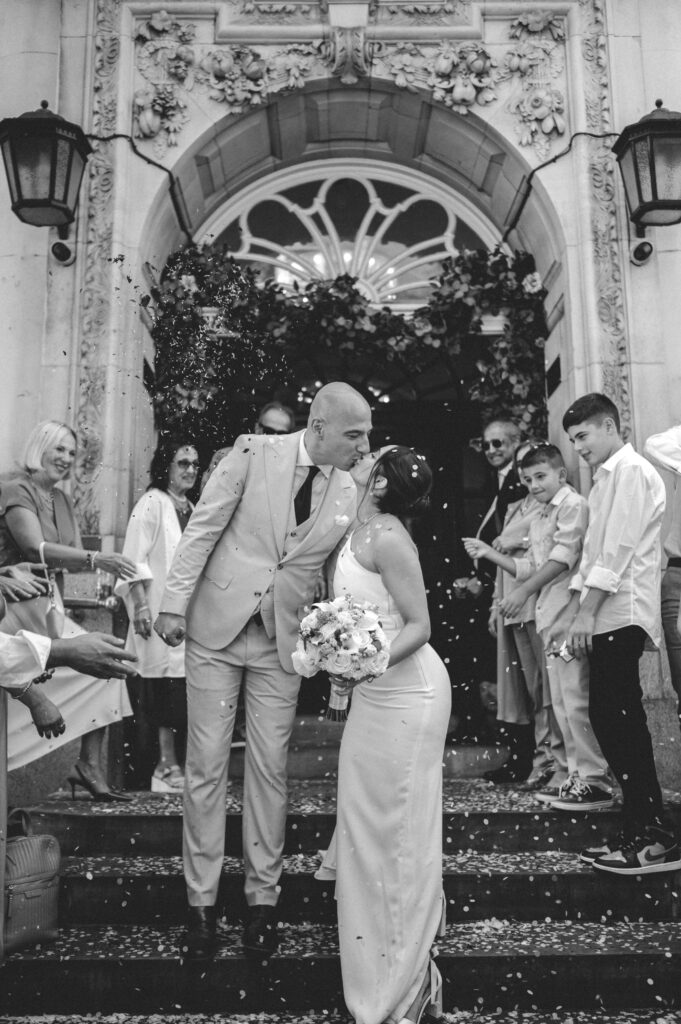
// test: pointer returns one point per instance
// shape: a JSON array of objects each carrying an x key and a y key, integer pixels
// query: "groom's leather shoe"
[
  {"x": 199, "y": 940},
  {"x": 261, "y": 938}
]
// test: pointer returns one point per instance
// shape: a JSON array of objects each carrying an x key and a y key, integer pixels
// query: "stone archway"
[
  {"x": 365, "y": 122},
  {"x": 468, "y": 164}
]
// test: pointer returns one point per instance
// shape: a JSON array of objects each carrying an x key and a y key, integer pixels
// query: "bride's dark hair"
[{"x": 409, "y": 481}]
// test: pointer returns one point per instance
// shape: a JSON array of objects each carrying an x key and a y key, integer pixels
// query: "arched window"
[{"x": 387, "y": 226}]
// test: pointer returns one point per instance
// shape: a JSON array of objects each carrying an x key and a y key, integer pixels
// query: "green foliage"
[{"x": 228, "y": 340}]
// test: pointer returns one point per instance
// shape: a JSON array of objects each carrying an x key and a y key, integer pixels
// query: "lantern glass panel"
[
  {"x": 61, "y": 169},
  {"x": 33, "y": 158},
  {"x": 10, "y": 169},
  {"x": 667, "y": 152},
  {"x": 77, "y": 168},
  {"x": 642, "y": 156},
  {"x": 629, "y": 178}
]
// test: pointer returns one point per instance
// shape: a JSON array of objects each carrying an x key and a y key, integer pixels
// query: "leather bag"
[{"x": 31, "y": 885}]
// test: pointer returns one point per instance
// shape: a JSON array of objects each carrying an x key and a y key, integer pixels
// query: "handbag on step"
[{"x": 31, "y": 894}]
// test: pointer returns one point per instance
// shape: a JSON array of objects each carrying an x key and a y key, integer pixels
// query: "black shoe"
[
  {"x": 260, "y": 934},
  {"x": 652, "y": 852},
  {"x": 507, "y": 773},
  {"x": 199, "y": 940}
]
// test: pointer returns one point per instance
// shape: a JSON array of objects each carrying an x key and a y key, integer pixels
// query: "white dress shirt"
[
  {"x": 665, "y": 449},
  {"x": 22, "y": 658},
  {"x": 622, "y": 552},
  {"x": 320, "y": 481}
]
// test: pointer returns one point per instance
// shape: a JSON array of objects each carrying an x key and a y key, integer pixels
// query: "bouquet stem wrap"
[
  {"x": 337, "y": 710},
  {"x": 344, "y": 638}
]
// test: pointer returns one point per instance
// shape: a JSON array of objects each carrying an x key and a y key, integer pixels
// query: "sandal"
[{"x": 167, "y": 780}]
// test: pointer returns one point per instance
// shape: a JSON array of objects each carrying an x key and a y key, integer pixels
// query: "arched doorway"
[{"x": 312, "y": 184}]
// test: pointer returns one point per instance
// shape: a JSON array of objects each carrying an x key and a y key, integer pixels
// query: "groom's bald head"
[{"x": 338, "y": 426}]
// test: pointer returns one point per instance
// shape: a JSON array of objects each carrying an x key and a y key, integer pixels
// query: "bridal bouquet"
[{"x": 344, "y": 638}]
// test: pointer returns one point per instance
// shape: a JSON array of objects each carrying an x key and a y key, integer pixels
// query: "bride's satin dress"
[{"x": 388, "y": 840}]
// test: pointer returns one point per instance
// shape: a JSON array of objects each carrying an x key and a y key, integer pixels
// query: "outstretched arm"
[{"x": 478, "y": 549}]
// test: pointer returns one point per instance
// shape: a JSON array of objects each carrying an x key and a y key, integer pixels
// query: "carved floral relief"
[{"x": 526, "y": 76}]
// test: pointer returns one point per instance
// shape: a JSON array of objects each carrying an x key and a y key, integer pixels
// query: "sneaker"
[
  {"x": 652, "y": 852},
  {"x": 604, "y": 849},
  {"x": 583, "y": 796},
  {"x": 553, "y": 791}
]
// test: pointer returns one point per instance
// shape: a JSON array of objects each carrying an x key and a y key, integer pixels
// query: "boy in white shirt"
[
  {"x": 615, "y": 604},
  {"x": 556, "y": 538}
]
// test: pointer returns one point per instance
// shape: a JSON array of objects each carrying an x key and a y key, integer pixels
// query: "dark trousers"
[{"x": 619, "y": 722}]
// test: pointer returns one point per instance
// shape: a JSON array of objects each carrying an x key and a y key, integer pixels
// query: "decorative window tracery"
[{"x": 390, "y": 229}]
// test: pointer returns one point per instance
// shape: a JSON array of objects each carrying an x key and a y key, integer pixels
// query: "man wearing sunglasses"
[
  {"x": 275, "y": 418},
  {"x": 500, "y": 439}
]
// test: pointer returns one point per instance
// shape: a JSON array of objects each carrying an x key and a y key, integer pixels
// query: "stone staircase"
[{"x": 533, "y": 934}]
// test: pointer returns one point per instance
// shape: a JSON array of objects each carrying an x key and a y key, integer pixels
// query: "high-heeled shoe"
[
  {"x": 427, "y": 1009},
  {"x": 99, "y": 794}
]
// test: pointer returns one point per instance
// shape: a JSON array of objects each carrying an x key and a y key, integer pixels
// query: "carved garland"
[
  {"x": 95, "y": 304},
  {"x": 607, "y": 251},
  {"x": 459, "y": 75}
]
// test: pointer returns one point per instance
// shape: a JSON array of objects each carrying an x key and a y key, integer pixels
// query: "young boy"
[
  {"x": 556, "y": 539},
  {"x": 615, "y": 604}
]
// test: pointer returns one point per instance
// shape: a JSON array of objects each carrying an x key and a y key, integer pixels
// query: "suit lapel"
[{"x": 280, "y": 456}]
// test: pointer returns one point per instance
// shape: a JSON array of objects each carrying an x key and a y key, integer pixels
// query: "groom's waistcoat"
[{"x": 242, "y": 551}]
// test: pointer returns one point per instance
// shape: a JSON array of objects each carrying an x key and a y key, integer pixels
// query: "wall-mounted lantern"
[
  {"x": 44, "y": 159},
  {"x": 649, "y": 155}
]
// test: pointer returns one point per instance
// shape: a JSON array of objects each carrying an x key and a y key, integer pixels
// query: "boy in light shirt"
[
  {"x": 556, "y": 538},
  {"x": 615, "y": 604}
]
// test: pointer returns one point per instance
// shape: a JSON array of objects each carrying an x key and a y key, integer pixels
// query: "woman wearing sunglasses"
[{"x": 156, "y": 525}]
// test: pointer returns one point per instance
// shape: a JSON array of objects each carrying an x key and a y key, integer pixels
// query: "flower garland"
[{"x": 227, "y": 339}]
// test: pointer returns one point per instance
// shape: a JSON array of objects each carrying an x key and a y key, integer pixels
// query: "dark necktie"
[{"x": 303, "y": 499}]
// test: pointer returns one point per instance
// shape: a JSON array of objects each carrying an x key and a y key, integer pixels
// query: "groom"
[{"x": 246, "y": 565}]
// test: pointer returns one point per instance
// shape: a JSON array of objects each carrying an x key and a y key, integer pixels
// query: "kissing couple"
[{"x": 271, "y": 516}]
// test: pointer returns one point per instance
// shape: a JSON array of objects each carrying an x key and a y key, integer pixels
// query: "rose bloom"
[{"x": 340, "y": 663}]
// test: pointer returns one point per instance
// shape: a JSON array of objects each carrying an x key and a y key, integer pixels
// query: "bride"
[{"x": 387, "y": 846}]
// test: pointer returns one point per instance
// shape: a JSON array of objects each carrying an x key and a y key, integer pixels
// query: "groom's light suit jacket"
[{"x": 242, "y": 551}]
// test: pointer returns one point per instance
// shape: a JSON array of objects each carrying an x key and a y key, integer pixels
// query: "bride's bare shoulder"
[{"x": 391, "y": 533}]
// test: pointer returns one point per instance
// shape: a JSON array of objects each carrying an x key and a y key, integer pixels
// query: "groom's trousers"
[{"x": 214, "y": 679}]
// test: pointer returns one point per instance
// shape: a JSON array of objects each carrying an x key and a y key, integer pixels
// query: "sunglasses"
[
  {"x": 271, "y": 430},
  {"x": 187, "y": 464},
  {"x": 494, "y": 443}
]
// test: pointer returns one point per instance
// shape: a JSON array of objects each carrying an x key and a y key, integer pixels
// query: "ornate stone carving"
[
  {"x": 458, "y": 74},
  {"x": 348, "y": 58},
  {"x": 95, "y": 303},
  {"x": 434, "y": 13},
  {"x": 607, "y": 251},
  {"x": 535, "y": 62}
]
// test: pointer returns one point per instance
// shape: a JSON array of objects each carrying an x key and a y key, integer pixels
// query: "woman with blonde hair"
[{"x": 37, "y": 523}]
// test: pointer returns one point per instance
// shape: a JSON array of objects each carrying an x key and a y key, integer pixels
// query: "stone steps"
[
  {"x": 477, "y": 816},
  {"x": 310, "y": 1017},
  {"x": 542, "y": 885},
  {"x": 488, "y": 965},
  {"x": 530, "y": 927}
]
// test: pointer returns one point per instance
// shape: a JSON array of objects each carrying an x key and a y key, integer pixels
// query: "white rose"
[
  {"x": 306, "y": 661},
  {"x": 339, "y": 664}
]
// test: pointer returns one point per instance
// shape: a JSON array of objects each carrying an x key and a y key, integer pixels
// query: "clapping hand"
[
  {"x": 20, "y": 582},
  {"x": 476, "y": 548},
  {"x": 94, "y": 654}
]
